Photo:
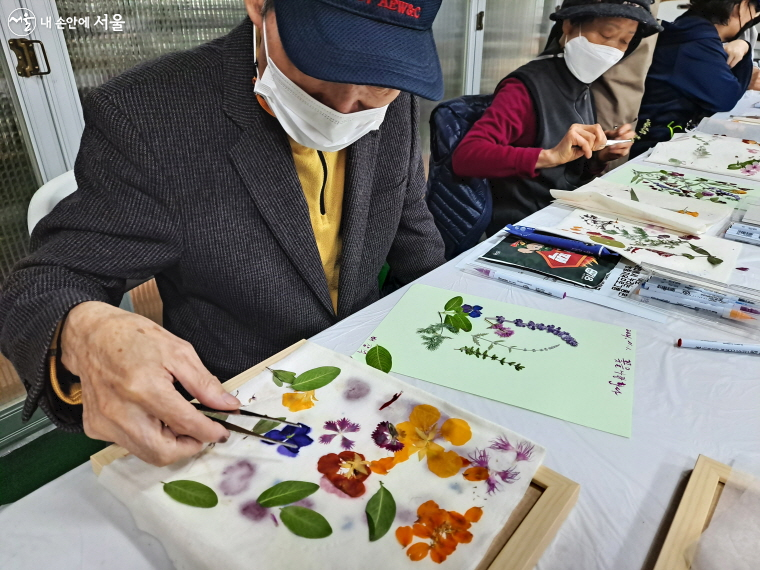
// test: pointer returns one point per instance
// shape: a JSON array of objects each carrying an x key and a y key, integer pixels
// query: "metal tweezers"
[{"x": 210, "y": 413}]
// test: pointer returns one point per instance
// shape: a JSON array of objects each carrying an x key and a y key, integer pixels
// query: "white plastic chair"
[
  {"x": 142, "y": 296},
  {"x": 48, "y": 195}
]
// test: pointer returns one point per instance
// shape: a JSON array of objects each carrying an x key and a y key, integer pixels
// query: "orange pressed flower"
[
  {"x": 419, "y": 434},
  {"x": 443, "y": 530},
  {"x": 346, "y": 470},
  {"x": 297, "y": 401}
]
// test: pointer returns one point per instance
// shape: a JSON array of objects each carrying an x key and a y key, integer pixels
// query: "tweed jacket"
[{"x": 183, "y": 176}]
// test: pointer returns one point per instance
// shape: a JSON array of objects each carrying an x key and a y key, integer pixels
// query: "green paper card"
[{"x": 569, "y": 368}]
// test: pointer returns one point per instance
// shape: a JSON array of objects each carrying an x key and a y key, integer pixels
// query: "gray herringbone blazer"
[{"x": 182, "y": 175}]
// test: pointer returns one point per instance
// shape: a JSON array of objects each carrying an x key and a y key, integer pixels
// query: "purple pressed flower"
[
  {"x": 341, "y": 427},
  {"x": 504, "y": 332},
  {"x": 386, "y": 436},
  {"x": 480, "y": 458},
  {"x": 518, "y": 323},
  {"x": 509, "y": 476},
  {"x": 502, "y": 444},
  {"x": 500, "y": 320},
  {"x": 524, "y": 451},
  {"x": 466, "y": 308}
]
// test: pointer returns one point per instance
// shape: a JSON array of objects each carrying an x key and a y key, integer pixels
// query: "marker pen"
[
  {"x": 722, "y": 311},
  {"x": 698, "y": 295},
  {"x": 720, "y": 346},
  {"x": 539, "y": 286}
]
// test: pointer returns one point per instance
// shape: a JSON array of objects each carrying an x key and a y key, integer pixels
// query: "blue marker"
[{"x": 558, "y": 242}]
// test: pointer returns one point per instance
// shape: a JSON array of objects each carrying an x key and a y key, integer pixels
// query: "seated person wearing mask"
[
  {"x": 264, "y": 191},
  {"x": 540, "y": 132},
  {"x": 693, "y": 73}
]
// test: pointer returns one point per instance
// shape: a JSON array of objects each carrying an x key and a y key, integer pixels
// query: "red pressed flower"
[{"x": 346, "y": 470}]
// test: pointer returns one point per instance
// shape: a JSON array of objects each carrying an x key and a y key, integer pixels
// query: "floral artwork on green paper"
[{"x": 556, "y": 365}]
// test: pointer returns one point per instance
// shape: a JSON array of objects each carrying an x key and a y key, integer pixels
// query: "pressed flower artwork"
[
  {"x": 556, "y": 365},
  {"x": 383, "y": 475},
  {"x": 710, "y": 153},
  {"x": 698, "y": 255}
]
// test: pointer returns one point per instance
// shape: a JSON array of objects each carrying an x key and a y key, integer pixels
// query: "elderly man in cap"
[{"x": 263, "y": 179}]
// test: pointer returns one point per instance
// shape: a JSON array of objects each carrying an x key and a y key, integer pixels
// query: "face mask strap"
[{"x": 255, "y": 53}]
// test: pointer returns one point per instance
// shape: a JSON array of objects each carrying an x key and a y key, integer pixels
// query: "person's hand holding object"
[
  {"x": 580, "y": 140},
  {"x": 127, "y": 365},
  {"x": 736, "y": 51},
  {"x": 620, "y": 150}
]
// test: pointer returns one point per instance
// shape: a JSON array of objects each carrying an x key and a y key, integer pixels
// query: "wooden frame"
[
  {"x": 694, "y": 514},
  {"x": 532, "y": 526}
]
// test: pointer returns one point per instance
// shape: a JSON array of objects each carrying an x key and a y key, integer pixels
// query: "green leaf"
[
  {"x": 263, "y": 426},
  {"x": 699, "y": 250},
  {"x": 461, "y": 321},
  {"x": 688, "y": 255},
  {"x": 286, "y": 492},
  {"x": 714, "y": 260},
  {"x": 283, "y": 376},
  {"x": 305, "y": 522},
  {"x": 633, "y": 196},
  {"x": 379, "y": 357},
  {"x": 191, "y": 493},
  {"x": 454, "y": 304},
  {"x": 315, "y": 378},
  {"x": 381, "y": 511}
]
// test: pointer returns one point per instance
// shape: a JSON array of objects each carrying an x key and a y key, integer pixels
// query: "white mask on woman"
[
  {"x": 305, "y": 119},
  {"x": 589, "y": 61}
]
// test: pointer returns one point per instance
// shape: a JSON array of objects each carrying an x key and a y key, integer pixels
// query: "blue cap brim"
[{"x": 335, "y": 45}]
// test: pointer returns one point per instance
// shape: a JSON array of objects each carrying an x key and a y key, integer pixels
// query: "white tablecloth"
[{"x": 687, "y": 402}]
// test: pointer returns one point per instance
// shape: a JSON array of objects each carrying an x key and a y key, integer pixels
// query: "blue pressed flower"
[
  {"x": 291, "y": 434},
  {"x": 518, "y": 323},
  {"x": 477, "y": 308},
  {"x": 475, "y": 314},
  {"x": 467, "y": 308},
  {"x": 541, "y": 326}
]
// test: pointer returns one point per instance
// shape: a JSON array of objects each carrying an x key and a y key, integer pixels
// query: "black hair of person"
[{"x": 716, "y": 11}]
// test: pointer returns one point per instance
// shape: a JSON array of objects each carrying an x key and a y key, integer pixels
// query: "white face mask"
[
  {"x": 305, "y": 119},
  {"x": 589, "y": 61}
]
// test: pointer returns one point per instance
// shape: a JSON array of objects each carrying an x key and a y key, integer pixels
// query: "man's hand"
[
  {"x": 580, "y": 140},
  {"x": 127, "y": 365},
  {"x": 610, "y": 153},
  {"x": 736, "y": 51}
]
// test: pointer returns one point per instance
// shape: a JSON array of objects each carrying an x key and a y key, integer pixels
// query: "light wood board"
[
  {"x": 529, "y": 530},
  {"x": 693, "y": 515}
]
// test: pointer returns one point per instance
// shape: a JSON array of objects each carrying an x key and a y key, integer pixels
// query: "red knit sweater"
[{"x": 500, "y": 143}]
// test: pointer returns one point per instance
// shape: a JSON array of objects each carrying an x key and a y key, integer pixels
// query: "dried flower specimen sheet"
[
  {"x": 711, "y": 153},
  {"x": 701, "y": 256},
  {"x": 569, "y": 368},
  {"x": 380, "y": 475},
  {"x": 681, "y": 182}
]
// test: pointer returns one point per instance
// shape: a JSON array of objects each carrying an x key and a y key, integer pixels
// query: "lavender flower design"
[
  {"x": 524, "y": 451},
  {"x": 340, "y": 427},
  {"x": 557, "y": 331},
  {"x": 386, "y": 436},
  {"x": 501, "y": 443}
]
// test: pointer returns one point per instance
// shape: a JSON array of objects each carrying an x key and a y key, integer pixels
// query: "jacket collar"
[{"x": 264, "y": 160}]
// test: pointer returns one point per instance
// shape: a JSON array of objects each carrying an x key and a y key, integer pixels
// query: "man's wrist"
[{"x": 546, "y": 159}]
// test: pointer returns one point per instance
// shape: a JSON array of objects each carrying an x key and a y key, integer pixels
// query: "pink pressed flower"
[
  {"x": 504, "y": 332},
  {"x": 502, "y": 444},
  {"x": 524, "y": 451},
  {"x": 341, "y": 427},
  {"x": 509, "y": 476},
  {"x": 386, "y": 436}
]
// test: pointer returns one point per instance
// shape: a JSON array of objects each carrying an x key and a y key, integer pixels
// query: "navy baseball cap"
[{"x": 387, "y": 43}]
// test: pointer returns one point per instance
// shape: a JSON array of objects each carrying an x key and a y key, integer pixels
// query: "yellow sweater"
[{"x": 322, "y": 176}]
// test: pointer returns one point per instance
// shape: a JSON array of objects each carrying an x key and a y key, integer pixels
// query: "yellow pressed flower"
[{"x": 297, "y": 401}]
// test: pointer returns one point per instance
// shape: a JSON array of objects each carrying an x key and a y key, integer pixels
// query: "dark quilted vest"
[{"x": 559, "y": 100}]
